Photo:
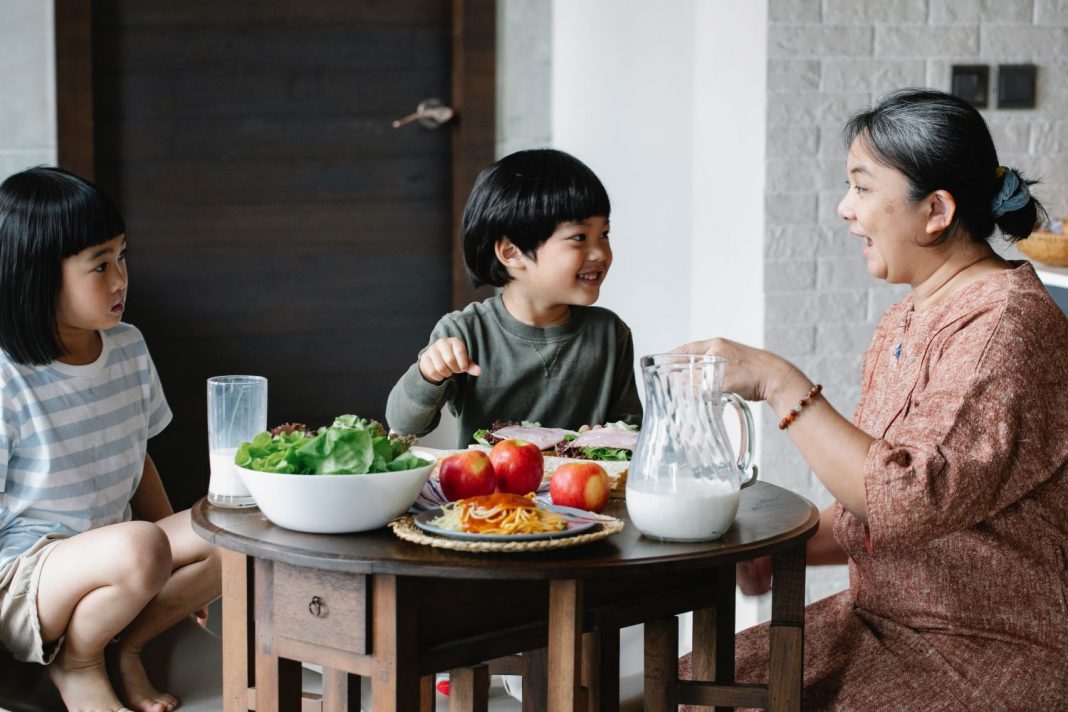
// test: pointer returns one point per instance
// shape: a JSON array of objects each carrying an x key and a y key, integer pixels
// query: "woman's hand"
[
  {"x": 446, "y": 357},
  {"x": 752, "y": 373},
  {"x": 754, "y": 577}
]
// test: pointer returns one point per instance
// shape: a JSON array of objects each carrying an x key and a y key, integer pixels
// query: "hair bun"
[{"x": 1013, "y": 193}]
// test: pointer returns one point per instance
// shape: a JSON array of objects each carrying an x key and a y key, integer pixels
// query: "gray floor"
[{"x": 188, "y": 663}]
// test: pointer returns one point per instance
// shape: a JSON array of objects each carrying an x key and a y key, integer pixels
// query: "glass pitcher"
[{"x": 685, "y": 478}]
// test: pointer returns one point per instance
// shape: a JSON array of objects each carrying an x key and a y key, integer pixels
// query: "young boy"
[{"x": 535, "y": 224}]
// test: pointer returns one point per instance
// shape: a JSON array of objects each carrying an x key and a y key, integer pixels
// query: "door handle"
[{"x": 430, "y": 113}]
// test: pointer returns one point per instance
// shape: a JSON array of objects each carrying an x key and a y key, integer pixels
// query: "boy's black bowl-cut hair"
[{"x": 523, "y": 197}]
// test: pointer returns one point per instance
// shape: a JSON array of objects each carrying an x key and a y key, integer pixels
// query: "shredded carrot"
[{"x": 499, "y": 513}]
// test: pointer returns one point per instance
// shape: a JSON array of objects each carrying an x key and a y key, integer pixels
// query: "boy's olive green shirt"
[{"x": 578, "y": 373}]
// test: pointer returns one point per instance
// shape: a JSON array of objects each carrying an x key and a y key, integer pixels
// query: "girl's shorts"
[{"x": 20, "y": 628}]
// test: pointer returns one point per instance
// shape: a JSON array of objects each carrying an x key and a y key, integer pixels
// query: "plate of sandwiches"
[{"x": 610, "y": 446}]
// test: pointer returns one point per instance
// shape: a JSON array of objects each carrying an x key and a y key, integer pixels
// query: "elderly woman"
[{"x": 951, "y": 482}]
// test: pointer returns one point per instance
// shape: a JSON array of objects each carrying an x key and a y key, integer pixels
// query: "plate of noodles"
[{"x": 505, "y": 517}]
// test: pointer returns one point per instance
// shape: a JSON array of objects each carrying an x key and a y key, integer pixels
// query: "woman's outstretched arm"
[{"x": 834, "y": 448}]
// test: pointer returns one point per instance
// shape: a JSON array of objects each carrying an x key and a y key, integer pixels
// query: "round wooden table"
[{"x": 373, "y": 605}]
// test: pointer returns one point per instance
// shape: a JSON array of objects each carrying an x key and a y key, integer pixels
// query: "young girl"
[
  {"x": 535, "y": 224},
  {"x": 90, "y": 548}
]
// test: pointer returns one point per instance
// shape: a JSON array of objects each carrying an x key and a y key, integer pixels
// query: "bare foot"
[
  {"x": 84, "y": 687},
  {"x": 139, "y": 692}
]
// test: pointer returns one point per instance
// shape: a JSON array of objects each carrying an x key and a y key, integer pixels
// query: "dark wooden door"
[{"x": 277, "y": 224}]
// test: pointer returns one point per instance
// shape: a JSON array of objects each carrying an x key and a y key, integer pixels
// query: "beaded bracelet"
[{"x": 794, "y": 412}]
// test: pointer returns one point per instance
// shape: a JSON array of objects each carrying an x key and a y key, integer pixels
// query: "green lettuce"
[
  {"x": 349, "y": 446},
  {"x": 611, "y": 454}
]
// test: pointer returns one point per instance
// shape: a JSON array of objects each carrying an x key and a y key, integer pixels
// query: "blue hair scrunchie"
[{"x": 1012, "y": 195}]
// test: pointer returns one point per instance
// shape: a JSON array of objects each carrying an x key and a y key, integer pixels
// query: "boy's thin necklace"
[{"x": 551, "y": 364}]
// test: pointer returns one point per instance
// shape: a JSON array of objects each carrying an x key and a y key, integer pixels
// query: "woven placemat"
[{"x": 405, "y": 528}]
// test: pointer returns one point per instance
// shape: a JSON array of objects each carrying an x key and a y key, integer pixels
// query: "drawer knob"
[{"x": 315, "y": 606}]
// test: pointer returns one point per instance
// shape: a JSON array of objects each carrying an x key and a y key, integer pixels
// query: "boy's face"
[
  {"x": 570, "y": 266},
  {"x": 93, "y": 293}
]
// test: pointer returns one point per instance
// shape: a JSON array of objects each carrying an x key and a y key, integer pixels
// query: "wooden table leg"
[
  {"x": 787, "y": 630},
  {"x": 712, "y": 659},
  {"x": 536, "y": 680},
  {"x": 341, "y": 691},
  {"x": 703, "y": 657},
  {"x": 277, "y": 679},
  {"x": 238, "y": 636},
  {"x": 427, "y": 690},
  {"x": 724, "y": 628},
  {"x": 565, "y": 645},
  {"x": 394, "y": 687},
  {"x": 600, "y": 669},
  {"x": 469, "y": 689},
  {"x": 661, "y": 665}
]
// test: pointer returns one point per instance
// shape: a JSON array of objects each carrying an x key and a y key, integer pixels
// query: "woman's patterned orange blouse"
[{"x": 958, "y": 596}]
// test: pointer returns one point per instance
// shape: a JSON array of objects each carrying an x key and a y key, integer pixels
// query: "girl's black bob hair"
[
  {"x": 46, "y": 215},
  {"x": 940, "y": 142},
  {"x": 524, "y": 197}
]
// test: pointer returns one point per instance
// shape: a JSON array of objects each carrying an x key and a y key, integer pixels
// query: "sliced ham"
[
  {"x": 619, "y": 438},
  {"x": 544, "y": 438}
]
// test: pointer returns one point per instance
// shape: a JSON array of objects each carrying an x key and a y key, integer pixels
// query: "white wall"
[
  {"x": 524, "y": 64},
  {"x": 667, "y": 105},
  {"x": 27, "y": 85},
  {"x": 730, "y": 82}
]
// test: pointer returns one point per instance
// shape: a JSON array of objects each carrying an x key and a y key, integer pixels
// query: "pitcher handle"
[{"x": 748, "y": 443}]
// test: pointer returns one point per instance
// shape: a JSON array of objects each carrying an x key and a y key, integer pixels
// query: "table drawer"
[{"x": 320, "y": 607}]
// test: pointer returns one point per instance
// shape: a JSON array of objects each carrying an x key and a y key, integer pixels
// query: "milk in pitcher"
[{"x": 686, "y": 509}]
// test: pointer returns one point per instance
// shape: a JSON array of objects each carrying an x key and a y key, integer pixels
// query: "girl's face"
[
  {"x": 571, "y": 265},
  {"x": 879, "y": 212},
  {"x": 93, "y": 294}
]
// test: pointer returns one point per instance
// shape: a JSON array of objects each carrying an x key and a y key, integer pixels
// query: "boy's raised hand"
[{"x": 446, "y": 357}]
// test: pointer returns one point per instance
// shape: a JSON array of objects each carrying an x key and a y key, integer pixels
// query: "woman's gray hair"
[{"x": 940, "y": 142}]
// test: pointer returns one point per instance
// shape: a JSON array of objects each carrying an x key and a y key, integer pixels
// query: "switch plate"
[
  {"x": 971, "y": 82},
  {"x": 1016, "y": 86}
]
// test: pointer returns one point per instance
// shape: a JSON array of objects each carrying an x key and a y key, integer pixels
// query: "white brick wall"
[{"x": 826, "y": 59}]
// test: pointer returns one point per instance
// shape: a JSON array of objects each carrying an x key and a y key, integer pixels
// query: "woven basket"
[
  {"x": 405, "y": 528},
  {"x": 1049, "y": 248}
]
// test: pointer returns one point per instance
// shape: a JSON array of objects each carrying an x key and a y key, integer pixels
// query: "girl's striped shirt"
[{"x": 73, "y": 440}]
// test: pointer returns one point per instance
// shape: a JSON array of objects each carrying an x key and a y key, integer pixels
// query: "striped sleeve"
[
  {"x": 7, "y": 445},
  {"x": 159, "y": 413}
]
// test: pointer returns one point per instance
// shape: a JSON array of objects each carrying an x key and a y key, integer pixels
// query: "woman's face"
[{"x": 878, "y": 211}]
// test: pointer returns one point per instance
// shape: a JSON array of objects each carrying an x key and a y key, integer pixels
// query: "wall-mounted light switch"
[
  {"x": 970, "y": 82},
  {"x": 1016, "y": 86}
]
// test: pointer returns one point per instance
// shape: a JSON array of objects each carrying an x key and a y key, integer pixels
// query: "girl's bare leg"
[
  {"x": 195, "y": 581},
  {"x": 92, "y": 585}
]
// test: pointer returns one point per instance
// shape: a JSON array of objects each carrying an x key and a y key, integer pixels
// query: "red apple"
[
  {"x": 467, "y": 474},
  {"x": 518, "y": 465},
  {"x": 583, "y": 485}
]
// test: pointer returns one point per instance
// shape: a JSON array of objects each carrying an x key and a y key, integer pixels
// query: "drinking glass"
[{"x": 237, "y": 411}]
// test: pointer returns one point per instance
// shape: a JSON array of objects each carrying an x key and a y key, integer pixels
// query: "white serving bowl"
[{"x": 335, "y": 504}]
